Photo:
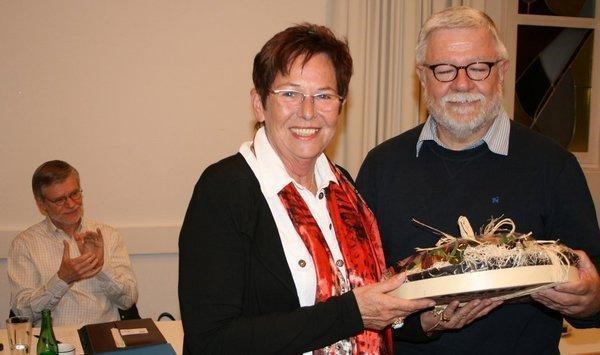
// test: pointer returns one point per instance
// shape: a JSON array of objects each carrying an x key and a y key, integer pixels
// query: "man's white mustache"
[{"x": 462, "y": 97}]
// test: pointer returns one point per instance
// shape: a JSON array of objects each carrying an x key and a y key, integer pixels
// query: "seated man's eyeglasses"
[
  {"x": 323, "y": 101},
  {"x": 476, "y": 71},
  {"x": 59, "y": 201}
]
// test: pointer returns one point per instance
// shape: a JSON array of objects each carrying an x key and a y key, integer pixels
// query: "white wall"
[{"x": 140, "y": 96}]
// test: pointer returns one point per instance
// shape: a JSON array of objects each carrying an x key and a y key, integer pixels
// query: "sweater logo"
[{"x": 496, "y": 200}]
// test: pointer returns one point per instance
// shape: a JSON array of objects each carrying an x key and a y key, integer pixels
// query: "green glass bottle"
[{"x": 47, "y": 344}]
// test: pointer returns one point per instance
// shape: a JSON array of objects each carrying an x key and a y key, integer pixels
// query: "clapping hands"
[{"x": 89, "y": 263}]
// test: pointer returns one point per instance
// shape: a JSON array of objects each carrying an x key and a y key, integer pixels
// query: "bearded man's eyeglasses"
[
  {"x": 60, "y": 201},
  {"x": 476, "y": 71}
]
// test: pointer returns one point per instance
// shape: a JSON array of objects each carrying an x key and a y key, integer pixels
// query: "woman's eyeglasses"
[{"x": 323, "y": 101}]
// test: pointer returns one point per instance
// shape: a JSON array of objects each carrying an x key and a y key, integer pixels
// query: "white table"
[
  {"x": 580, "y": 341},
  {"x": 577, "y": 341},
  {"x": 172, "y": 331}
]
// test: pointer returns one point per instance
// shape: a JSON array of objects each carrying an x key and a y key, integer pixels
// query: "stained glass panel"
[
  {"x": 570, "y": 8},
  {"x": 553, "y": 82}
]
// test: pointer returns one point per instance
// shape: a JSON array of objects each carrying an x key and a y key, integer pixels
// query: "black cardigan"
[{"x": 236, "y": 291}]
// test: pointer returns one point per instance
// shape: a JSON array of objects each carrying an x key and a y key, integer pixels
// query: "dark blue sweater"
[{"x": 539, "y": 185}]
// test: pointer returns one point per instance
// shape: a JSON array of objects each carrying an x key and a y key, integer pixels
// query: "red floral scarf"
[{"x": 358, "y": 237}]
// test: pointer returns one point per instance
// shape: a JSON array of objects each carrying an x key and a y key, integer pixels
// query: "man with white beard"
[{"x": 470, "y": 159}]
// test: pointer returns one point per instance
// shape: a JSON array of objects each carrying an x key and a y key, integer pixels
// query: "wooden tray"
[{"x": 498, "y": 284}]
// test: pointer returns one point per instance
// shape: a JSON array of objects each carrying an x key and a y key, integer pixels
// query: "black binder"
[{"x": 138, "y": 336}]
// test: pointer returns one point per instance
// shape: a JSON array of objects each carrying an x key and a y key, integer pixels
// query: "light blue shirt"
[{"x": 496, "y": 137}]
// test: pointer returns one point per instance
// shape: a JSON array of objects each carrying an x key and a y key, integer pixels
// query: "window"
[{"x": 553, "y": 47}]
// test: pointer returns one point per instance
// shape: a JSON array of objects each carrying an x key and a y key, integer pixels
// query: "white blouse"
[{"x": 272, "y": 176}]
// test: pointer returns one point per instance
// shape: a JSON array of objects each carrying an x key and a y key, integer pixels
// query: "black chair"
[
  {"x": 130, "y": 313},
  {"x": 165, "y": 315}
]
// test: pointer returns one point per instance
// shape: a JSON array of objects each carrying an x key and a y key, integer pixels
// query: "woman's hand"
[{"x": 379, "y": 310}]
